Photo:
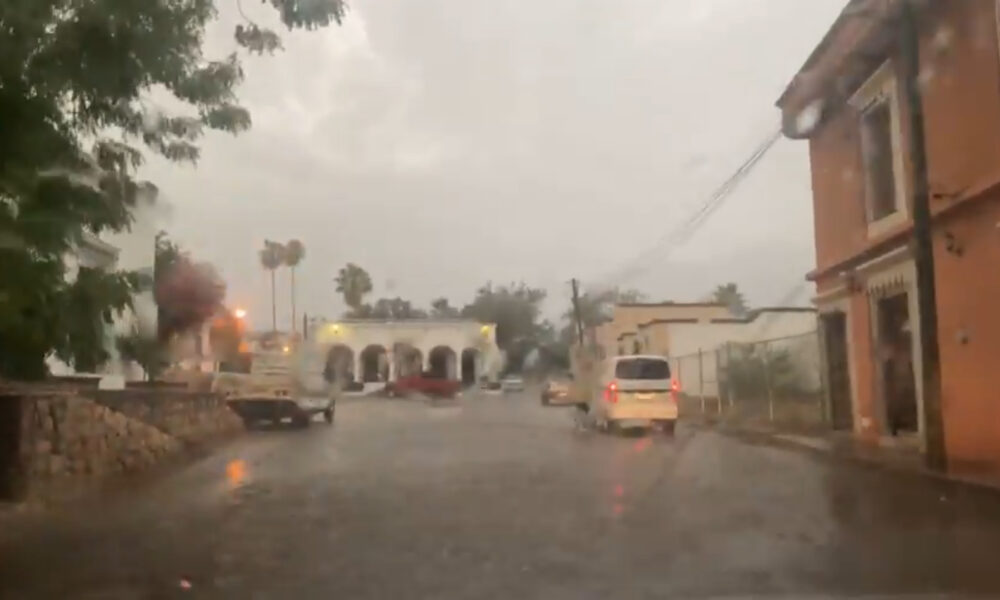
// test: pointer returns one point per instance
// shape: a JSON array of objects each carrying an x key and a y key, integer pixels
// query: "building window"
[
  {"x": 877, "y": 152},
  {"x": 877, "y": 103}
]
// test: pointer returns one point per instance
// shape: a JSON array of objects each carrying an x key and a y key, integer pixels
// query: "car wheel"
[
  {"x": 668, "y": 427},
  {"x": 301, "y": 421},
  {"x": 545, "y": 400},
  {"x": 328, "y": 416}
]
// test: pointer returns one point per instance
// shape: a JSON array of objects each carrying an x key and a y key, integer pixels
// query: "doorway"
[
  {"x": 895, "y": 362},
  {"x": 374, "y": 364},
  {"x": 470, "y": 358},
  {"x": 442, "y": 363},
  {"x": 10, "y": 440},
  {"x": 838, "y": 374}
]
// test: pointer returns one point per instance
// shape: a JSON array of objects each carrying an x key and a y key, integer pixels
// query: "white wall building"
[
  {"x": 133, "y": 250},
  {"x": 372, "y": 350},
  {"x": 696, "y": 348}
]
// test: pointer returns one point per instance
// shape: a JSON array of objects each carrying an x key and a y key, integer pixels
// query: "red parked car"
[{"x": 423, "y": 384}]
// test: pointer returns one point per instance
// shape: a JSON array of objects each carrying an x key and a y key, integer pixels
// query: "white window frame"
[{"x": 883, "y": 86}]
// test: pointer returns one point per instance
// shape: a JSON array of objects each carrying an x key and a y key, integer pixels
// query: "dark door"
[
  {"x": 837, "y": 371},
  {"x": 10, "y": 440}
]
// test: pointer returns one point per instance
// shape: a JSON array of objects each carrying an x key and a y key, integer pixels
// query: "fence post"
[
  {"x": 701, "y": 383},
  {"x": 767, "y": 382},
  {"x": 730, "y": 390}
]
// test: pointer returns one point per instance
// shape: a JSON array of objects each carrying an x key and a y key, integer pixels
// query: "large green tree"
[
  {"x": 295, "y": 251},
  {"x": 730, "y": 295},
  {"x": 596, "y": 307},
  {"x": 516, "y": 310},
  {"x": 441, "y": 308},
  {"x": 392, "y": 308},
  {"x": 354, "y": 283},
  {"x": 75, "y": 78},
  {"x": 272, "y": 256},
  {"x": 187, "y": 293}
]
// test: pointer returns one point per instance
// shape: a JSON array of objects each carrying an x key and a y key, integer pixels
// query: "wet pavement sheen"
[{"x": 496, "y": 497}]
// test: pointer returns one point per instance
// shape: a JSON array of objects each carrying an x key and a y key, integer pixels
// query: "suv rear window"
[{"x": 642, "y": 368}]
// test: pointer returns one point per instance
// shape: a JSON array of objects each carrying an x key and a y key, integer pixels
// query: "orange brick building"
[{"x": 848, "y": 102}]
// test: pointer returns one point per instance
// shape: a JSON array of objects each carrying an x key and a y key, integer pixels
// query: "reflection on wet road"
[{"x": 497, "y": 497}]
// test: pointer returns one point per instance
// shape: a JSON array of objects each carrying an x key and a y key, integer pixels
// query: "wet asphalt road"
[{"x": 496, "y": 497}]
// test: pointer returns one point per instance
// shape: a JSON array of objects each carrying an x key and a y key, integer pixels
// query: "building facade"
[
  {"x": 625, "y": 333},
  {"x": 132, "y": 250},
  {"x": 849, "y": 101},
  {"x": 373, "y": 350}
]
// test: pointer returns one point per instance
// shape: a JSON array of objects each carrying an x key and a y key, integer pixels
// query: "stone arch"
[
  {"x": 339, "y": 367},
  {"x": 407, "y": 359},
  {"x": 442, "y": 362},
  {"x": 470, "y": 366},
  {"x": 374, "y": 364}
]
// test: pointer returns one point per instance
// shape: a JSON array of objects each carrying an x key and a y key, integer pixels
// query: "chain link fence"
[{"x": 771, "y": 383}]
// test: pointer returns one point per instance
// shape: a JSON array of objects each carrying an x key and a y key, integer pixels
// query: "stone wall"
[
  {"x": 193, "y": 418},
  {"x": 59, "y": 440}
]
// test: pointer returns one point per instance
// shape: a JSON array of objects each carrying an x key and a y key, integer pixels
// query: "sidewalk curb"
[{"x": 779, "y": 439}]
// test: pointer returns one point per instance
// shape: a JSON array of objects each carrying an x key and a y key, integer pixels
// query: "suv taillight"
[
  {"x": 611, "y": 392},
  {"x": 675, "y": 387}
]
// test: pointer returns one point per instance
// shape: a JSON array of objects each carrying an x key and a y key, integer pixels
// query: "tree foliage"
[
  {"x": 441, "y": 308},
  {"x": 516, "y": 310},
  {"x": 272, "y": 256},
  {"x": 76, "y": 82},
  {"x": 354, "y": 283},
  {"x": 388, "y": 308},
  {"x": 146, "y": 350},
  {"x": 598, "y": 307},
  {"x": 730, "y": 295},
  {"x": 187, "y": 293},
  {"x": 294, "y": 252}
]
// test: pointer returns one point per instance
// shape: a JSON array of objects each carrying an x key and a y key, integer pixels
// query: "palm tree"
[
  {"x": 353, "y": 282},
  {"x": 272, "y": 256},
  {"x": 295, "y": 251},
  {"x": 730, "y": 295}
]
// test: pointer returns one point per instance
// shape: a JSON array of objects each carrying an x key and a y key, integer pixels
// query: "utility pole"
[
  {"x": 576, "y": 311},
  {"x": 923, "y": 243}
]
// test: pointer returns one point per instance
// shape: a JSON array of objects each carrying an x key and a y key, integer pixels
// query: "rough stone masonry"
[{"x": 58, "y": 440}]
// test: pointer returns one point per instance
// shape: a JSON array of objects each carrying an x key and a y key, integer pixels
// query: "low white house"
[
  {"x": 133, "y": 250},
  {"x": 698, "y": 349},
  {"x": 372, "y": 350}
]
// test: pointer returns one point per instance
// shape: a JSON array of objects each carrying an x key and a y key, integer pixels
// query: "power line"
[{"x": 685, "y": 230}]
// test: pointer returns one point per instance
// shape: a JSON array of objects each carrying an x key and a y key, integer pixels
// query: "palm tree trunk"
[
  {"x": 274, "y": 309},
  {"x": 294, "y": 322}
]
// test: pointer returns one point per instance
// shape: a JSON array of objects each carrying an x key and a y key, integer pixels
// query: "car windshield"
[{"x": 490, "y": 299}]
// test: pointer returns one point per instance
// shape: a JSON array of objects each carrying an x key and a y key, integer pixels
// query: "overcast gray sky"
[{"x": 444, "y": 143}]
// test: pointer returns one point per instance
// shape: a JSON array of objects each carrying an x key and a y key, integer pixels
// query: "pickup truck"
[{"x": 274, "y": 390}]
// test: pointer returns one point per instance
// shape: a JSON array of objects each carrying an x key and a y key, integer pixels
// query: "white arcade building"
[{"x": 374, "y": 350}]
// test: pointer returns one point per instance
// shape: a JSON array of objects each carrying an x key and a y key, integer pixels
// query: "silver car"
[{"x": 512, "y": 383}]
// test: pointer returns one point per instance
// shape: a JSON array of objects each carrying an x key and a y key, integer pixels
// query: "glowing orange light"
[
  {"x": 240, "y": 313},
  {"x": 236, "y": 471}
]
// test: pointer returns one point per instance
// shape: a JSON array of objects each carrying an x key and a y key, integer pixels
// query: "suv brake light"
[
  {"x": 675, "y": 387},
  {"x": 611, "y": 392}
]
